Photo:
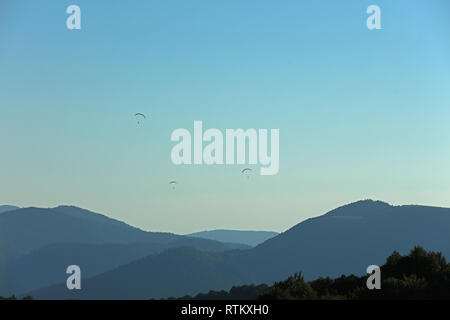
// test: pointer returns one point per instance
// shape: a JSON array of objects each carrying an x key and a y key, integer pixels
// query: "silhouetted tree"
[{"x": 294, "y": 288}]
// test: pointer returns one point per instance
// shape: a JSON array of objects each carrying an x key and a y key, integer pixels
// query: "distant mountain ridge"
[
  {"x": 251, "y": 238},
  {"x": 7, "y": 208},
  {"x": 343, "y": 241}
]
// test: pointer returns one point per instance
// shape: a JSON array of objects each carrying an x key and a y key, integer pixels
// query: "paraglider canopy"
[
  {"x": 247, "y": 172},
  {"x": 140, "y": 115}
]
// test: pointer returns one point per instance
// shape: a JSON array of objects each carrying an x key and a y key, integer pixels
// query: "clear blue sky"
[{"x": 362, "y": 114}]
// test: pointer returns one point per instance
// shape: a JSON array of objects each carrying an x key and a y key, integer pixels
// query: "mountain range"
[{"x": 343, "y": 241}]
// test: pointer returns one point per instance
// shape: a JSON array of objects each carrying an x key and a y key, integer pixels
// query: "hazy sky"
[{"x": 362, "y": 114}]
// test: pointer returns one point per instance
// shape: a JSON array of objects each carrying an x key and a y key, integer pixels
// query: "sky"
[{"x": 361, "y": 113}]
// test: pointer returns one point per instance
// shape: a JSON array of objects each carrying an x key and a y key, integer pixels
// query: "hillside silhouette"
[
  {"x": 48, "y": 240},
  {"x": 343, "y": 241}
]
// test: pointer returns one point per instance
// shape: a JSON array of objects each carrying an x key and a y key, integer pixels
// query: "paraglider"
[
  {"x": 173, "y": 183},
  {"x": 141, "y": 115},
  {"x": 247, "y": 172}
]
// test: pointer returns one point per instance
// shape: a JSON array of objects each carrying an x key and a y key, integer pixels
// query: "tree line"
[{"x": 418, "y": 275}]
